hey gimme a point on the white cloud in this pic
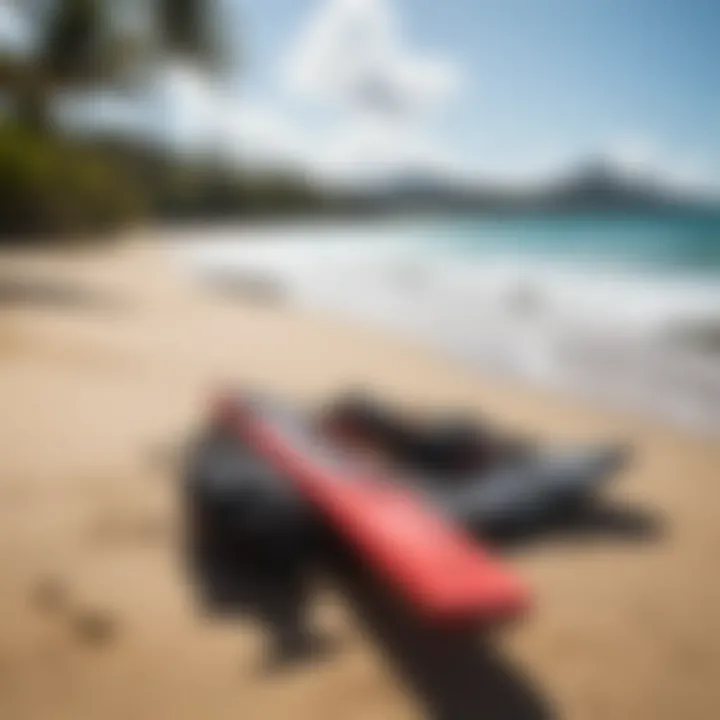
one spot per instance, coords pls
(184, 87)
(639, 157)
(15, 32)
(368, 150)
(260, 136)
(351, 53)
(632, 155)
(352, 60)
(349, 56)
(176, 106)
(193, 112)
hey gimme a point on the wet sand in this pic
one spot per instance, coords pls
(106, 361)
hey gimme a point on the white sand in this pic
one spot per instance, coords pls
(93, 391)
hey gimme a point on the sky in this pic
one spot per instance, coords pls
(540, 83)
(517, 90)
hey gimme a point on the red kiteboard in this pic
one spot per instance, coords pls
(439, 569)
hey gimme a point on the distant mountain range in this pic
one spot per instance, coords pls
(594, 185)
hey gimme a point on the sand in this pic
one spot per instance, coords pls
(107, 358)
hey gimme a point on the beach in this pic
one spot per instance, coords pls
(107, 360)
(620, 310)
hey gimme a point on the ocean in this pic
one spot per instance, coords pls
(621, 309)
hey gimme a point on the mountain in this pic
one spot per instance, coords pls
(599, 184)
(592, 185)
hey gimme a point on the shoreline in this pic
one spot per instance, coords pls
(613, 341)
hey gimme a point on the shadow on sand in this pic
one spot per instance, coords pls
(51, 293)
(594, 520)
(453, 674)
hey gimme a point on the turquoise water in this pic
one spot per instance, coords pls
(682, 245)
(625, 310)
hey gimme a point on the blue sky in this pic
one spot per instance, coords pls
(543, 81)
(512, 89)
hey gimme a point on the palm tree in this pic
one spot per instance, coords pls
(71, 48)
(51, 183)
(188, 29)
(78, 47)
(67, 54)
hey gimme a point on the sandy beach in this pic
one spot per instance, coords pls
(107, 358)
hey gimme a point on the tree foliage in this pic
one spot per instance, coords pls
(71, 47)
(188, 29)
(49, 185)
(52, 183)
